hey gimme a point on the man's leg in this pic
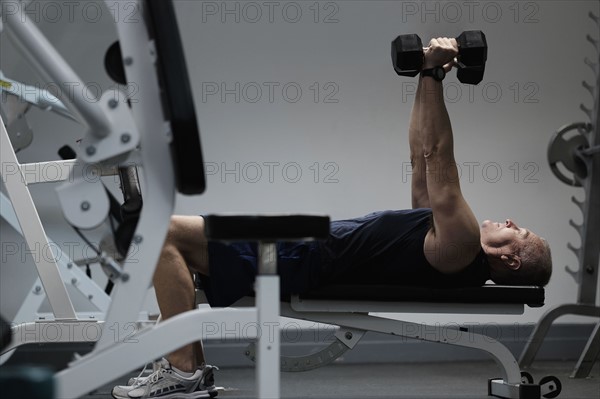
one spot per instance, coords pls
(184, 250)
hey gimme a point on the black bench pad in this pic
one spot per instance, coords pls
(266, 228)
(489, 293)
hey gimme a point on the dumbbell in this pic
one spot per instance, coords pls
(408, 55)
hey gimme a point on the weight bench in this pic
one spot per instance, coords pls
(348, 306)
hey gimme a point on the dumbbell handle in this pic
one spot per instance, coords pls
(453, 39)
(456, 64)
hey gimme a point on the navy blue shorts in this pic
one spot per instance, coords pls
(233, 268)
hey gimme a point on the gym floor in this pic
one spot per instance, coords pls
(402, 380)
(465, 379)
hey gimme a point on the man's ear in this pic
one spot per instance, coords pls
(511, 261)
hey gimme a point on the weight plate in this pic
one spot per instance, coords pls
(565, 151)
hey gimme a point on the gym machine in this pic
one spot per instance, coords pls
(55, 269)
(574, 157)
(161, 126)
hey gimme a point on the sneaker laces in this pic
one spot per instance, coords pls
(139, 377)
(153, 377)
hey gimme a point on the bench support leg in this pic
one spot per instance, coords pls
(541, 329)
(267, 305)
(510, 386)
(589, 355)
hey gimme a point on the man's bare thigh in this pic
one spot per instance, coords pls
(187, 234)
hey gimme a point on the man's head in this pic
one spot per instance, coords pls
(517, 256)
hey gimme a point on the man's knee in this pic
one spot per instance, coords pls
(174, 241)
(184, 229)
(186, 236)
(174, 227)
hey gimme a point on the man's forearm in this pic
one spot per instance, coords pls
(435, 126)
(420, 198)
(438, 148)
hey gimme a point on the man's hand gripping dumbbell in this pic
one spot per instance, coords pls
(469, 49)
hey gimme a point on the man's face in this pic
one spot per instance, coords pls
(503, 236)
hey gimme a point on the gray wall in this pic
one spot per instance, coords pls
(340, 147)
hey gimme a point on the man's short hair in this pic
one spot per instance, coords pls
(536, 265)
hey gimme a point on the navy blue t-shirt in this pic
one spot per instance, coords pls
(387, 248)
(380, 248)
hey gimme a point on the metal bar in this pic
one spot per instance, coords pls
(68, 270)
(57, 171)
(589, 355)
(35, 96)
(541, 329)
(46, 172)
(589, 261)
(267, 259)
(310, 305)
(445, 335)
(158, 185)
(33, 231)
(267, 304)
(40, 53)
(42, 332)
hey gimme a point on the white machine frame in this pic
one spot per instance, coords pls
(120, 348)
(54, 272)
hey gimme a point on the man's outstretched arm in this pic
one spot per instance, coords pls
(420, 197)
(454, 240)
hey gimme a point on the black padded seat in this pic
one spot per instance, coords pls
(266, 228)
(177, 99)
(487, 294)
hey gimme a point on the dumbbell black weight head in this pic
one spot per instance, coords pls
(472, 56)
(407, 55)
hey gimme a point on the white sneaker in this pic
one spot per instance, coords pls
(121, 391)
(167, 383)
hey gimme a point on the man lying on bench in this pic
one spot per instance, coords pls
(437, 243)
